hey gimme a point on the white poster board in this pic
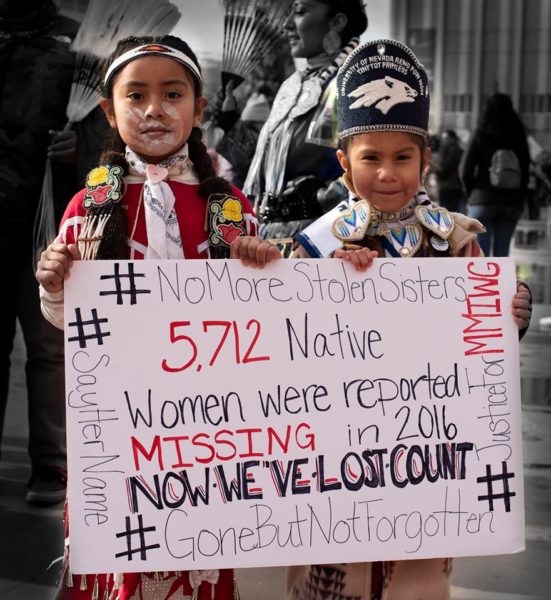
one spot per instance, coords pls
(223, 416)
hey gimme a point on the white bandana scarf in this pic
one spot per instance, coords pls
(163, 231)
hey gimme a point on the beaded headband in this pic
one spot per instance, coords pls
(153, 50)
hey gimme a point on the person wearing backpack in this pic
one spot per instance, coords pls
(494, 172)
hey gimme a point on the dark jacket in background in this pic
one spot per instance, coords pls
(36, 71)
(34, 90)
(475, 175)
(447, 164)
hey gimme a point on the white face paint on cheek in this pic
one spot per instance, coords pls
(172, 139)
(131, 127)
(151, 137)
(176, 122)
(171, 111)
(136, 115)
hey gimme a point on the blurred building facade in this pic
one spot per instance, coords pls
(473, 48)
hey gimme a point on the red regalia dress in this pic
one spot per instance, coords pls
(190, 208)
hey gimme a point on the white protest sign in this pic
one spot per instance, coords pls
(224, 416)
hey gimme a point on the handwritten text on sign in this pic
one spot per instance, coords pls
(226, 416)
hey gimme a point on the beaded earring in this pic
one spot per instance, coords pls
(331, 42)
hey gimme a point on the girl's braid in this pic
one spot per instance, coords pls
(209, 183)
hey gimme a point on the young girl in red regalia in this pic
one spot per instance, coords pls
(157, 199)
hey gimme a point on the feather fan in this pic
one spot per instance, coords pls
(104, 24)
(252, 28)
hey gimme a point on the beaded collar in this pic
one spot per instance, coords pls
(401, 232)
(406, 211)
(317, 63)
(382, 221)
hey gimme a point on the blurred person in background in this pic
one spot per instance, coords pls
(446, 167)
(542, 182)
(238, 144)
(36, 69)
(495, 172)
(295, 155)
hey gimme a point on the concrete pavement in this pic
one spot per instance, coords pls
(31, 538)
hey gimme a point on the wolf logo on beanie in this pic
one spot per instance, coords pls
(383, 94)
(382, 87)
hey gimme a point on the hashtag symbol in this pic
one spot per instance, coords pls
(140, 531)
(118, 277)
(504, 477)
(94, 322)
